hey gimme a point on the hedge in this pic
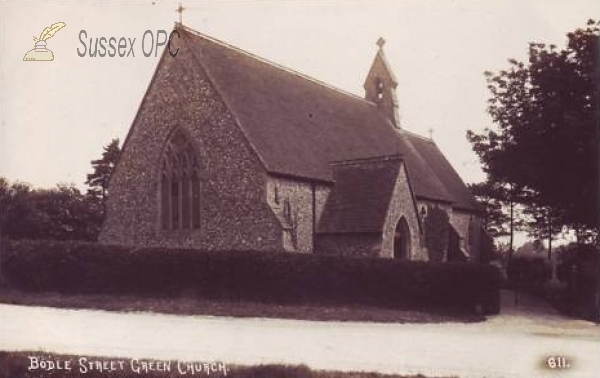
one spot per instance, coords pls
(274, 277)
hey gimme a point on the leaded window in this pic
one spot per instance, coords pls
(180, 185)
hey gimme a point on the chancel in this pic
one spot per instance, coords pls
(229, 151)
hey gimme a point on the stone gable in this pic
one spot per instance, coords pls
(231, 152)
(234, 214)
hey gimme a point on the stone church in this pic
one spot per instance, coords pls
(229, 151)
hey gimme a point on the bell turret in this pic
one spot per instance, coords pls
(380, 86)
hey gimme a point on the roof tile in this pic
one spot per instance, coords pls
(299, 125)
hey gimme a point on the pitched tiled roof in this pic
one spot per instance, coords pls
(443, 171)
(425, 182)
(298, 125)
(361, 197)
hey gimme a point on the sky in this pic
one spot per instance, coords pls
(56, 116)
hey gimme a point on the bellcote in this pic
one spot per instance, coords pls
(380, 86)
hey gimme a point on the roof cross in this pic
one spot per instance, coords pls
(430, 133)
(180, 10)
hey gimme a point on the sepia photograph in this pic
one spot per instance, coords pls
(299, 189)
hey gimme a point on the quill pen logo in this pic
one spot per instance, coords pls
(40, 52)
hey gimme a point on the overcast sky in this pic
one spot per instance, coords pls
(56, 116)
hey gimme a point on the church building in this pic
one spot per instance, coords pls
(229, 151)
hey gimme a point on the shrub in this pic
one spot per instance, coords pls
(578, 272)
(437, 228)
(61, 213)
(276, 277)
(529, 274)
(579, 269)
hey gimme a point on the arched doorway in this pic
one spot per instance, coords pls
(402, 240)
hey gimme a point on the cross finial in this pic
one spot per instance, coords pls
(430, 133)
(180, 10)
(380, 42)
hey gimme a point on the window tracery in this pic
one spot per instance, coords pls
(180, 185)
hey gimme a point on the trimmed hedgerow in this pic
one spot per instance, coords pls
(276, 277)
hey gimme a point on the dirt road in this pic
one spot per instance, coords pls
(508, 345)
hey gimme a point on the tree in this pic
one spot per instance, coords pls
(61, 213)
(546, 113)
(492, 198)
(16, 210)
(500, 214)
(103, 168)
(543, 224)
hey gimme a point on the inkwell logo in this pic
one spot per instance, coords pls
(40, 52)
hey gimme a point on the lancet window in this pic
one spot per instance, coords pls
(180, 185)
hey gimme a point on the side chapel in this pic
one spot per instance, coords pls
(229, 151)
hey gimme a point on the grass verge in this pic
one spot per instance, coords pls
(188, 305)
(17, 365)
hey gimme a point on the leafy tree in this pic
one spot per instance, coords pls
(61, 213)
(543, 224)
(546, 113)
(103, 168)
(16, 210)
(492, 198)
(67, 213)
(499, 204)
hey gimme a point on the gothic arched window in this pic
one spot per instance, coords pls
(179, 185)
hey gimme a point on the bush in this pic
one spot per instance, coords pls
(578, 273)
(275, 277)
(61, 213)
(437, 229)
(579, 269)
(528, 274)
